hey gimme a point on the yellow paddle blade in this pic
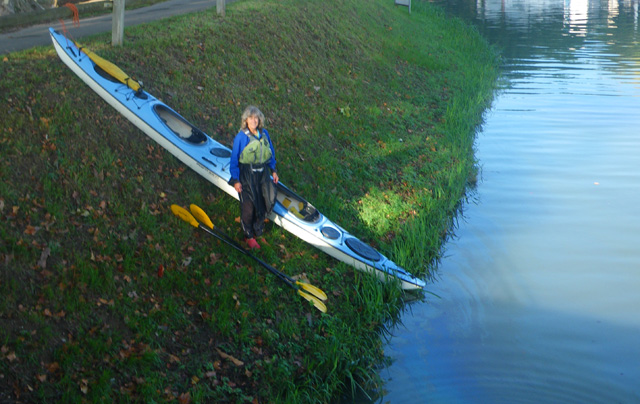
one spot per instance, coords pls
(111, 69)
(201, 216)
(316, 302)
(184, 214)
(317, 292)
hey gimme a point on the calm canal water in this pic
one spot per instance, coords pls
(540, 289)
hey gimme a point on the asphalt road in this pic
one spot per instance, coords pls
(38, 35)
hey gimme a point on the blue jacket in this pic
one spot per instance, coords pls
(239, 143)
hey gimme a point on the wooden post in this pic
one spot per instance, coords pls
(406, 3)
(117, 26)
(220, 4)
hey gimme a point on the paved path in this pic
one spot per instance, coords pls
(38, 35)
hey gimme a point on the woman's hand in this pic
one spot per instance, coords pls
(275, 178)
(238, 187)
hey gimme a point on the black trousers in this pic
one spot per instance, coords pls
(256, 200)
(252, 222)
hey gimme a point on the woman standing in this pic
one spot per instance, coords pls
(253, 163)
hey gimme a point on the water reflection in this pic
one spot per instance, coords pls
(576, 17)
(540, 287)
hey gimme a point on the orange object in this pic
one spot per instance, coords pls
(76, 16)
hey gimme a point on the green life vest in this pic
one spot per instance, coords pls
(258, 151)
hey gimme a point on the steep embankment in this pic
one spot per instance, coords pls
(107, 297)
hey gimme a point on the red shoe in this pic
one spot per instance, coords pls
(252, 243)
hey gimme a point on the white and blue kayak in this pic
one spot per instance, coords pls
(211, 160)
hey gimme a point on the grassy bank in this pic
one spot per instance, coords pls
(107, 297)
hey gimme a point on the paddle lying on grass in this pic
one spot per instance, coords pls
(315, 294)
(202, 217)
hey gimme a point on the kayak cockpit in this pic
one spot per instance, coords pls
(179, 126)
(296, 205)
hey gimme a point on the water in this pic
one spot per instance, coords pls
(540, 289)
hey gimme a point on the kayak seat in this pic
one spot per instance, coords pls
(295, 211)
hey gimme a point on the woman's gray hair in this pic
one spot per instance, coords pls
(252, 111)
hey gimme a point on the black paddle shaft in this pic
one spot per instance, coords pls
(238, 247)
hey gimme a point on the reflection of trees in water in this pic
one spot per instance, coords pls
(553, 28)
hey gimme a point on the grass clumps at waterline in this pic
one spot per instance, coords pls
(107, 297)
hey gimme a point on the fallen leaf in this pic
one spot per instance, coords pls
(106, 302)
(235, 361)
(214, 258)
(42, 262)
(53, 367)
(46, 274)
(184, 398)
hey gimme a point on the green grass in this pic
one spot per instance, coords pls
(373, 114)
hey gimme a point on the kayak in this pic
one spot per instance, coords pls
(211, 160)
